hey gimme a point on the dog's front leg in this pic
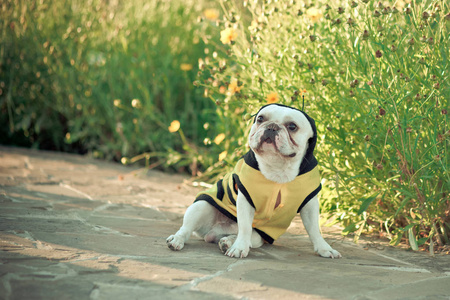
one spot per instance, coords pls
(310, 218)
(245, 214)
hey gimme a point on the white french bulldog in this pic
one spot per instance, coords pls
(269, 185)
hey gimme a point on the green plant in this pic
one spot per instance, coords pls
(105, 77)
(375, 78)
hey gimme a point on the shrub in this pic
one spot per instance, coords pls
(375, 76)
(106, 77)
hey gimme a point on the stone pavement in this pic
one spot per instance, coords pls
(77, 228)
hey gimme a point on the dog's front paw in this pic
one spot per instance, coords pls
(329, 253)
(239, 249)
(175, 242)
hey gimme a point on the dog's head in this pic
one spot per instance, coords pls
(283, 136)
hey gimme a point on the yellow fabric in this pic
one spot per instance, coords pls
(264, 193)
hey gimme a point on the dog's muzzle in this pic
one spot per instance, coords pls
(270, 133)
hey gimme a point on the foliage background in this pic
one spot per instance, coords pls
(375, 76)
(103, 77)
(115, 79)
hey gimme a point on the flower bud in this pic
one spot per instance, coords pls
(336, 22)
(351, 94)
(425, 15)
(382, 112)
(350, 22)
(411, 42)
(417, 96)
(324, 82)
(394, 10)
(379, 166)
(354, 83)
(313, 37)
(407, 79)
(386, 10)
(312, 81)
(370, 82)
(327, 17)
(433, 77)
(365, 35)
(444, 111)
(367, 137)
(393, 48)
(422, 60)
(300, 63)
(376, 14)
(327, 7)
(378, 54)
(365, 1)
(430, 41)
(354, 4)
(436, 86)
(341, 10)
(407, 10)
(423, 39)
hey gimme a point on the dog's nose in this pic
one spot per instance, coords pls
(273, 127)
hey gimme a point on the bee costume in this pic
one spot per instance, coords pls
(270, 221)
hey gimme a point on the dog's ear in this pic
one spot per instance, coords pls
(309, 160)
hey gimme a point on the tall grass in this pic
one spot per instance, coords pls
(105, 77)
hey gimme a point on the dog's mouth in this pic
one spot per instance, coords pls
(269, 138)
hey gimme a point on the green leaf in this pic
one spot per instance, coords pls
(412, 240)
(365, 203)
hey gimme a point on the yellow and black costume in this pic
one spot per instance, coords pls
(271, 219)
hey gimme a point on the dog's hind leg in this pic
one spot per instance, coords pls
(200, 216)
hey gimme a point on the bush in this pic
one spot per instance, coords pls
(375, 78)
(105, 77)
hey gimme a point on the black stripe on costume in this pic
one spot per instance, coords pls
(265, 236)
(220, 190)
(309, 197)
(210, 200)
(230, 195)
(243, 190)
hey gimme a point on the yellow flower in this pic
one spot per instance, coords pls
(314, 14)
(117, 102)
(272, 98)
(228, 35)
(174, 126)
(222, 89)
(223, 155)
(136, 103)
(186, 67)
(219, 138)
(253, 25)
(211, 14)
(233, 87)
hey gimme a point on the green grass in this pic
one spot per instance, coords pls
(70, 71)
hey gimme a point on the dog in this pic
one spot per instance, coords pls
(277, 178)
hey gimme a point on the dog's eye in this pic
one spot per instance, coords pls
(260, 119)
(292, 127)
